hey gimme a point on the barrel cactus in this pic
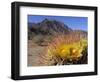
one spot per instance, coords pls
(66, 50)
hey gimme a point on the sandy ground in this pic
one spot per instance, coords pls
(35, 54)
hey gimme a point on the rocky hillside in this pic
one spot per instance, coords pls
(47, 29)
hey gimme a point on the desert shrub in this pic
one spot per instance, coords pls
(38, 39)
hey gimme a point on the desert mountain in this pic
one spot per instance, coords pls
(50, 28)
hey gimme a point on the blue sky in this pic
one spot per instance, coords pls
(78, 23)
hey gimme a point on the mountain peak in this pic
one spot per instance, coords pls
(50, 26)
(46, 20)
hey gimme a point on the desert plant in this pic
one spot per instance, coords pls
(66, 49)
